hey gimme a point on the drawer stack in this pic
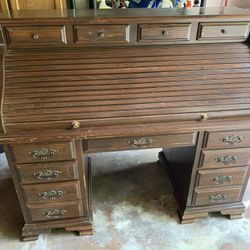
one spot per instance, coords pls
(48, 177)
(223, 168)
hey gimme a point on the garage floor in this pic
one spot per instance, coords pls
(134, 209)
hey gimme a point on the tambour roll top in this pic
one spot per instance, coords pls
(72, 88)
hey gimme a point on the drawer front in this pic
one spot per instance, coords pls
(164, 32)
(63, 191)
(230, 139)
(55, 211)
(28, 153)
(212, 196)
(221, 177)
(225, 158)
(94, 34)
(223, 31)
(141, 142)
(36, 35)
(49, 172)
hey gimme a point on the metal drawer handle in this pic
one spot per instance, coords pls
(47, 174)
(43, 153)
(217, 197)
(75, 125)
(232, 139)
(164, 33)
(227, 160)
(54, 213)
(223, 31)
(141, 142)
(51, 194)
(35, 36)
(204, 116)
(222, 179)
(101, 34)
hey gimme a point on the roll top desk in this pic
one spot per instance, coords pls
(75, 83)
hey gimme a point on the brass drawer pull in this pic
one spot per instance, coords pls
(47, 174)
(75, 124)
(227, 160)
(51, 194)
(54, 213)
(222, 179)
(43, 153)
(101, 34)
(141, 142)
(204, 116)
(232, 139)
(217, 197)
(35, 36)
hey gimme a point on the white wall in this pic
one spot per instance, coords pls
(238, 3)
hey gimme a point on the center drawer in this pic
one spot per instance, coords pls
(142, 142)
(63, 191)
(225, 158)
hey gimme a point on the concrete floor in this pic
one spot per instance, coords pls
(134, 209)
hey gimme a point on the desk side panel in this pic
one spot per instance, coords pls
(2, 52)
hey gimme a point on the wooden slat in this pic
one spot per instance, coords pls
(106, 84)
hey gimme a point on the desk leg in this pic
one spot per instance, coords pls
(73, 173)
(182, 165)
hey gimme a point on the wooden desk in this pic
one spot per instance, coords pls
(75, 83)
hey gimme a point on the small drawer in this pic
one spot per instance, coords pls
(143, 142)
(223, 31)
(215, 196)
(36, 35)
(94, 34)
(225, 158)
(63, 191)
(164, 32)
(28, 153)
(229, 139)
(49, 172)
(55, 211)
(221, 177)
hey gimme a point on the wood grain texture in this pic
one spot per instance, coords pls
(123, 91)
(2, 86)
(4, 5)
(37, 4)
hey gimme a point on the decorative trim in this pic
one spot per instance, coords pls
(142, 142)
(43, 153)
(51, 194)
(232, 139)
(227, 160)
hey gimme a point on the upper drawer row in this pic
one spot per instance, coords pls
(124, 34)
